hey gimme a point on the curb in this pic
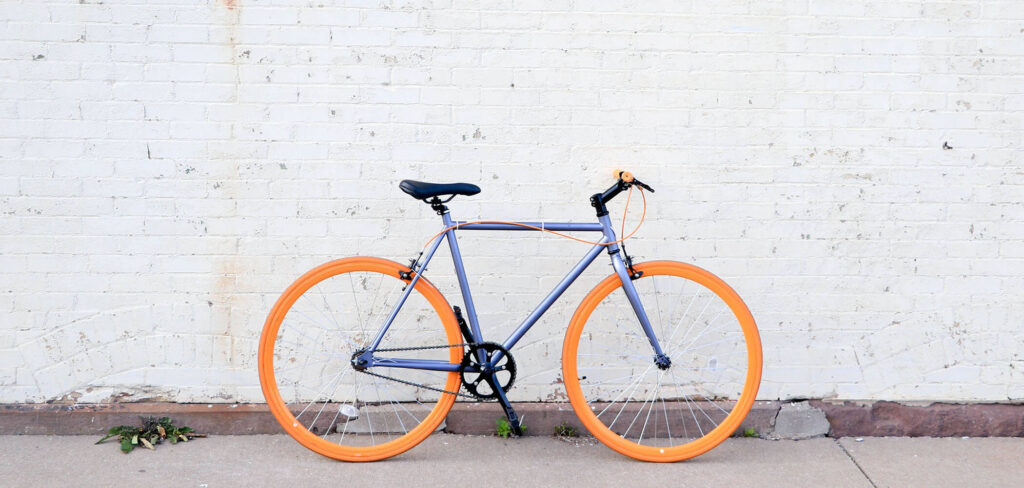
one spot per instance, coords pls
(880, 419)
(207, 418)
(845, 418)
(542, 418)
(243, 419)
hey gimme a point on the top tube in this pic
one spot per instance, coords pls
(555, 226)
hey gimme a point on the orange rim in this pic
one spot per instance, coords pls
(266, 362)
(713, 437)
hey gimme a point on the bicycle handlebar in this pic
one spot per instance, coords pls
(627, 178)
(624, 181)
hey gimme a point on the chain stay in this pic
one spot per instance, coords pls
(418, 385)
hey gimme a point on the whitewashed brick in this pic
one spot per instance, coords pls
(850, 168)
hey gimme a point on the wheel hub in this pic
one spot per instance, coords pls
(358, 361)
(663, 362)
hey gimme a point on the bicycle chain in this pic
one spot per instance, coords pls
(410, 383)
(417, 348)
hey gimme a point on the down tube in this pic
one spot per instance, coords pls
(550, 299)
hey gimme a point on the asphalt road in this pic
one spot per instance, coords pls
(450, 460)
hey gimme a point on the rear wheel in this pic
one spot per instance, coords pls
(308, 343)
(649, 410)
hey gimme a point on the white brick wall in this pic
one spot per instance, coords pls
(852, 168)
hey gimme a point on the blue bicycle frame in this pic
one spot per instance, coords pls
(603, 225)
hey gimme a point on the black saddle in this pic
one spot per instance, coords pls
(422, 191)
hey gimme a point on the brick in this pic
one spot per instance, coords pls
(830, 160)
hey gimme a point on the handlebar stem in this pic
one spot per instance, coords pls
(598, 200)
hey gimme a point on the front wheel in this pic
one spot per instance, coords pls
(651, 410)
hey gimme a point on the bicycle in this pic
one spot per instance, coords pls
(359, 376)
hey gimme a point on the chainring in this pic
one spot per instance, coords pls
(504, 372)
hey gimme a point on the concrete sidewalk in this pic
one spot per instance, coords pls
(448, 460)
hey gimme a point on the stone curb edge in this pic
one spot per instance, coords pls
(843, 419)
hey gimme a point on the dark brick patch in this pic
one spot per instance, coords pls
(934, 420)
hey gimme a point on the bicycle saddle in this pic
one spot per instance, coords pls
(421, 191)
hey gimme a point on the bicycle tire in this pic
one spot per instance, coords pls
(437, 405)
(587, 393)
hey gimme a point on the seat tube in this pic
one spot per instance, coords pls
(460, 272)
(627, 286)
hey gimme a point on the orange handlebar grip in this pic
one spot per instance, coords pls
(623, 175)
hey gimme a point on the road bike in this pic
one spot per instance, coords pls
(362, 358)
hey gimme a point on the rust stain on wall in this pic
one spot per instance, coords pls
(225, 295)
(228, 267)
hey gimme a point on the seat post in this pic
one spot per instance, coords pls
(438, 206)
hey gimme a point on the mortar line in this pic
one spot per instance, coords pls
(855, 463)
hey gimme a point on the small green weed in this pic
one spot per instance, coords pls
(505, 429)
(152, 432)
(750, 432)
(565, 430)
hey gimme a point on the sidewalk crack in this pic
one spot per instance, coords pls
(855, 463)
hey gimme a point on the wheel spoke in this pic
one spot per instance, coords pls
(359, 315)
(653, 400)
(636, 384)
(319, 393)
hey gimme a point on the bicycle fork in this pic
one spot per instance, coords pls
(627, 275)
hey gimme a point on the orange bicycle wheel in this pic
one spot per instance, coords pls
(652, 412)
(306, 351)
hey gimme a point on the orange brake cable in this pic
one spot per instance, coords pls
(625, 212)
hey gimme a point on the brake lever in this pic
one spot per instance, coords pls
(643, 185)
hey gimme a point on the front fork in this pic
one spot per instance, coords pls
(627, 274)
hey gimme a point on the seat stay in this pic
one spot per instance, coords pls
(405, 296)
